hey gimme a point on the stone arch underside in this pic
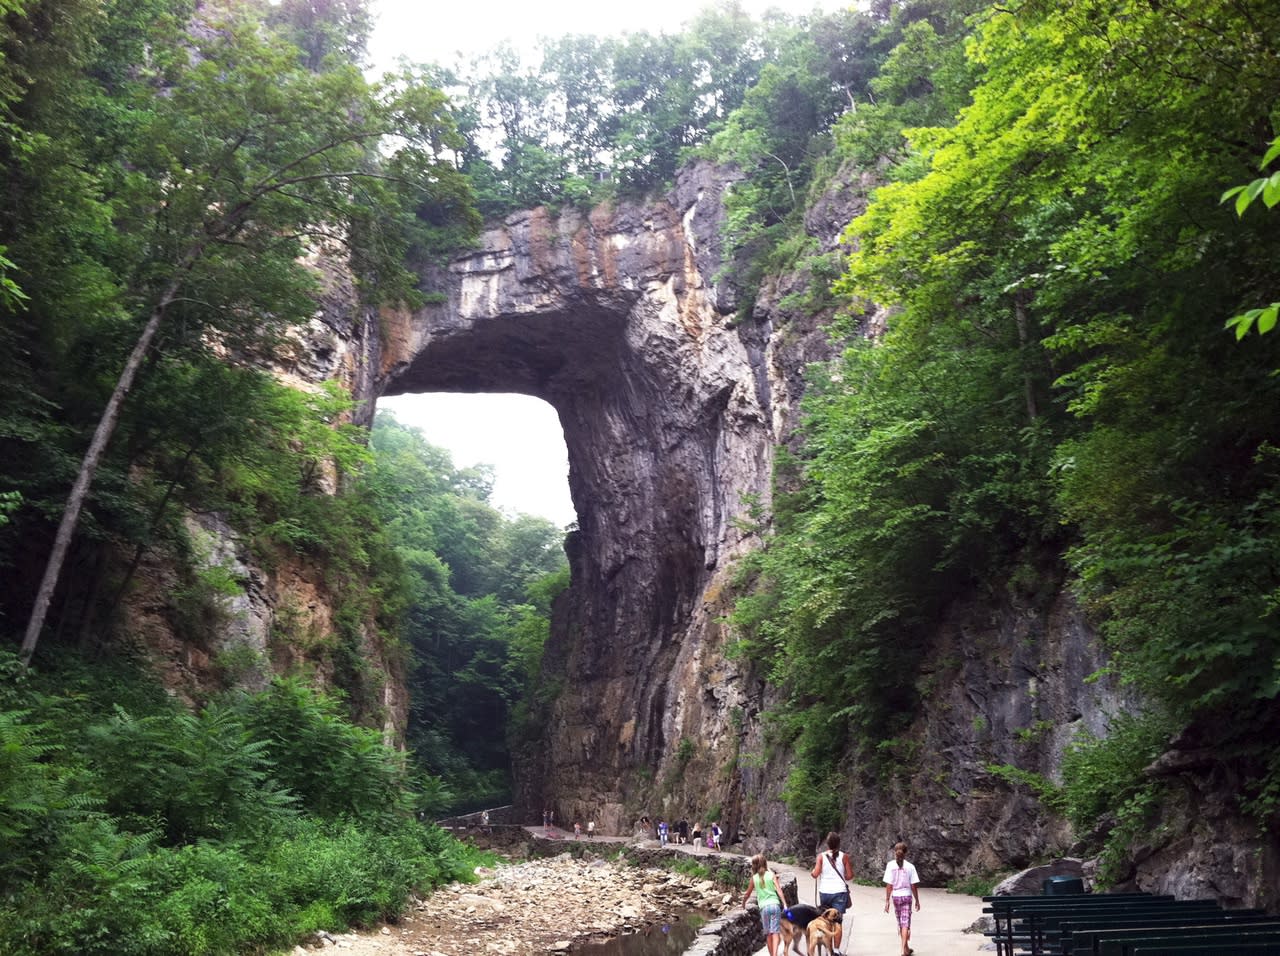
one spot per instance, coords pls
(614, 320)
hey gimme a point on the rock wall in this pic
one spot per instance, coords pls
(672, 405)
(282, 621)
(616, 319)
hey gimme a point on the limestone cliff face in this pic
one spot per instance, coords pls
(672, 406)
(282, 618)
(616, 320)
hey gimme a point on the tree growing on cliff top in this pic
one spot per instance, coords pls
(237, 162)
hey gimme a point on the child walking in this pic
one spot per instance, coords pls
(764, 884)
(901, 884)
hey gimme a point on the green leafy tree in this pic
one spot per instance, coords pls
(1266, 188)
(245, 161)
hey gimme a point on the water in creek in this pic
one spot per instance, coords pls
(662, 939)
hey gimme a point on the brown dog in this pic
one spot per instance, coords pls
(822, 932)
(795, 921)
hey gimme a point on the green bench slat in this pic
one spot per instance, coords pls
(1038, 929)
(1194, 949)
(1067, 942)
(1119, 942)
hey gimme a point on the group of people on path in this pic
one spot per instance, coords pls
(549, 826)
(680, 832)
(833, 872)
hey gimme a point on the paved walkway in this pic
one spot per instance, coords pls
(937, 930)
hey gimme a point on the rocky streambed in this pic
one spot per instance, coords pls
(536, 907)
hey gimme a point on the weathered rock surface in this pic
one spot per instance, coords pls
(1030, 882)
(616, 320)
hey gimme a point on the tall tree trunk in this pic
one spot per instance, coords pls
(1024, 340)
(92, 458)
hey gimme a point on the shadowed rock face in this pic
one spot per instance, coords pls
(615, 320)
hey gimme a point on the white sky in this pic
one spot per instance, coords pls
(435, 31)
(518, 435)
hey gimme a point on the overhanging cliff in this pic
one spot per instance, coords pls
(670, 415)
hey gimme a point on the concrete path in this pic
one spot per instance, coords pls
(937, 930)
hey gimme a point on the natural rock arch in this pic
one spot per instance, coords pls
(615, 319)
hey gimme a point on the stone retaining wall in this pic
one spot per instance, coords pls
(738, 932)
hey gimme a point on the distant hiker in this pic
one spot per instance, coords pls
(901, 884)
(591, 829)
(697, 833)
(682, 832)
(662, 832)
(577, 830)
(715, 835)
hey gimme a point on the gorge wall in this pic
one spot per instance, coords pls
(672, 406)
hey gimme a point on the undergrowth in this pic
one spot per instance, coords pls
(132, 827)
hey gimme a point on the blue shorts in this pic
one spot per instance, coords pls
(837, 901)
(771, 918)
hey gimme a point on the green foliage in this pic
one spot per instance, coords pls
(1104, 785)
(1044, 255)
(479, 588)
(1266, 188)
(187, 166)
(168, 832)
(977, 884)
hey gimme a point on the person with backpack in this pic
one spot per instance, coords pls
(833, 871)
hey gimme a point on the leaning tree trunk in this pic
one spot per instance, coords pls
(89, 466)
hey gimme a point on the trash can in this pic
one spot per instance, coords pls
(1063, 885)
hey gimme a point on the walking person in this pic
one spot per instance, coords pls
(833, 871)
(764, 884)
(901, 886)
(591, 829)
(716, 833)
(662, 832)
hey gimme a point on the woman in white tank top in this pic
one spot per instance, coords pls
(833, 871)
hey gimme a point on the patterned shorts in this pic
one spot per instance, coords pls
(771, 918)
(902, 906)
